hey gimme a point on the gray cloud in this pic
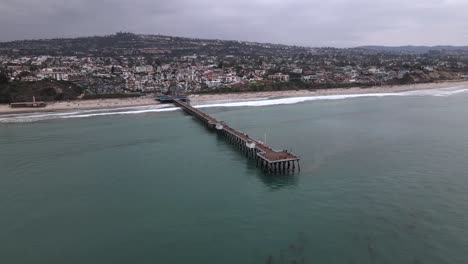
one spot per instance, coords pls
(341, 23)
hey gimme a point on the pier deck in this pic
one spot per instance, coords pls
(270, 160)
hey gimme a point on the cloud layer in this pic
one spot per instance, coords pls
(340, 23)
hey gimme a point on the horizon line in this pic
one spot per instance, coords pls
(234, 40)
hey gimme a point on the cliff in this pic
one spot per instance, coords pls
(46, 90)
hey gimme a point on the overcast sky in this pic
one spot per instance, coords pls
(339, 23)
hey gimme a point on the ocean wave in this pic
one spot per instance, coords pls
(168, 109)
(438, 92)
(294, 100)
(25, 118)
(33, 117)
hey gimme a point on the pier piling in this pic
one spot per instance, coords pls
(269, 160)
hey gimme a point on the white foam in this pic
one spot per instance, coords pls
(294, 100)
(126, 112)
(25, 118)
(21, 118)
(438, 92)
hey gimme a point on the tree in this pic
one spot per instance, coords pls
(4, 89)
(23, 74)
(33, 68)
(260, 62)
(3, 78)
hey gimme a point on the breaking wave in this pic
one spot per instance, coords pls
(25, 118)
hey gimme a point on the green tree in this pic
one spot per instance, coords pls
(23, 74)
(4, 89)
(3, 78)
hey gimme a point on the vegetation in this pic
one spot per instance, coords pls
(110, 96)
(110, 66)
(45, 90)
(279, 86)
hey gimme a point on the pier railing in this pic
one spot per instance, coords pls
(270, 160)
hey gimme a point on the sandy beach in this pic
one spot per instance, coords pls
(319, 92)
(82, 105)
(227, 97)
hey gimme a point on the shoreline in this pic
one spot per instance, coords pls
(99, 104)
(95, 104)
(226, 97)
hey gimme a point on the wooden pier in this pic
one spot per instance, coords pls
(269, 160)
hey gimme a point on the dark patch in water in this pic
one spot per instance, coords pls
(293, 253)
(371, 250)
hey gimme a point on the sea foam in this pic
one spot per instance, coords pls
(25, 118)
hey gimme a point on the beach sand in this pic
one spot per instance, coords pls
(82, 105)
(225, 97)
(319, 92)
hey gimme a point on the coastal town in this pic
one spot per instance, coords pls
(129, 64)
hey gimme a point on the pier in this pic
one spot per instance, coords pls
(269, 160)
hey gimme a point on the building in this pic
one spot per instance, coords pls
(144, 69)
(279, 77)
(213, 83)
(297, 71)
(309, 78)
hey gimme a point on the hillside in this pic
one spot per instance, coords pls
(415, 49)
(130, 44)
(133, 44)
(126, 63)
(45, 90)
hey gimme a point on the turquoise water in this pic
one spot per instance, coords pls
(383, 180)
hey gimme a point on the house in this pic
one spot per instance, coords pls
(309, 78)
(279, 77)
(144, 69)
(59, 76)
(297, 71)
(213, 83)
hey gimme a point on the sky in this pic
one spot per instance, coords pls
(336, 23)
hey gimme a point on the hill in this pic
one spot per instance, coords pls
(414, 49)
(45, 90)
(132, 44)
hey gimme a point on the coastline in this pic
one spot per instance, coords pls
(203, 98)
(94, 104)
(224, 97)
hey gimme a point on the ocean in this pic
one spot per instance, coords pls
(384, 179)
